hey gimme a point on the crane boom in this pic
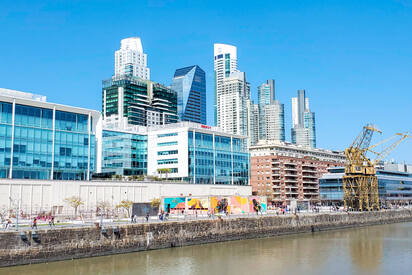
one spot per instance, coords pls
(360, 184)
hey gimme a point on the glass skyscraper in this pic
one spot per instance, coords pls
(190, 85)
(132, 100)
(303, 131)
(41, 140)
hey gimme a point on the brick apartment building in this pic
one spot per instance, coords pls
(284, 172)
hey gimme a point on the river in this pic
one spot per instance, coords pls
(383, 249)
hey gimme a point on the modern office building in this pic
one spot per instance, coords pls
(303, 130)
(43, 140)
(124, 152)
(129, 100)
(235, 92)
(285, 172)
(198, 154)
(394, 187)
(190, 85)
(130, 59)
(225, 63)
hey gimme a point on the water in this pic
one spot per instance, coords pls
(385, 249)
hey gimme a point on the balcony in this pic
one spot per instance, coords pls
(310, 188)
(308, 171)
(309, 177)
(309, 165)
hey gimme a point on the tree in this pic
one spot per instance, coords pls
(164, 171)
(4, 211)
(75, 202)
(126, 205)
(155, 203)
(104, 207)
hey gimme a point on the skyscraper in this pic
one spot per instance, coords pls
(225, 62)
(131, 100)
(253, 122)
(271, 113)
(190, 85)
(274, 121)
(232, 115)
(303, 120)
(130, 59)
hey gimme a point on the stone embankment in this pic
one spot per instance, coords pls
(71, 243)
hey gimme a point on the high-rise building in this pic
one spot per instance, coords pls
(131, 100)
(130, 59)
(266, 93)
(274, 121)
(253, 122)
(303, 131)
(233, 117)
(225, 62)
(309, 123)
(190, 85)
(271, 113)
(43, 140)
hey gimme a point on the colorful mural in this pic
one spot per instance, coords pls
(174, 205)
(198, 205)
(218, 205)
(257, 204)
(238, 205)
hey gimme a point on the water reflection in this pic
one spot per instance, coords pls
(369, 250)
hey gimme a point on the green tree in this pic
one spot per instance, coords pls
(126, 205)
(164, 171)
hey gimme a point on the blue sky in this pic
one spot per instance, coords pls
(354, 58)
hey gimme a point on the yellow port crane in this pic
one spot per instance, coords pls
(360, 184)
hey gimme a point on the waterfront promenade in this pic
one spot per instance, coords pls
(45, 244)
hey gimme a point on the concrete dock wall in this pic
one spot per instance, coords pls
(71, 243)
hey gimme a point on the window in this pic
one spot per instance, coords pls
(169, 152)
(170, 143)
(166, 135)
(167, 161)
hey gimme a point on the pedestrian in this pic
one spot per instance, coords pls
(34, 223)
(51, 221)
(147, 217)
(8, 224)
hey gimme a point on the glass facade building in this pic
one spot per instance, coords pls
(136, 101)
(190, 85)
(393, 186)
(40, 140)
(217, 159)
(197, 154)
(124, 153)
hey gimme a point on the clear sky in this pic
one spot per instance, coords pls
(354, 58)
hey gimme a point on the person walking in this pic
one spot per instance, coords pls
(147, 217)
(8, 224)
(51, 221)
(34, 223)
